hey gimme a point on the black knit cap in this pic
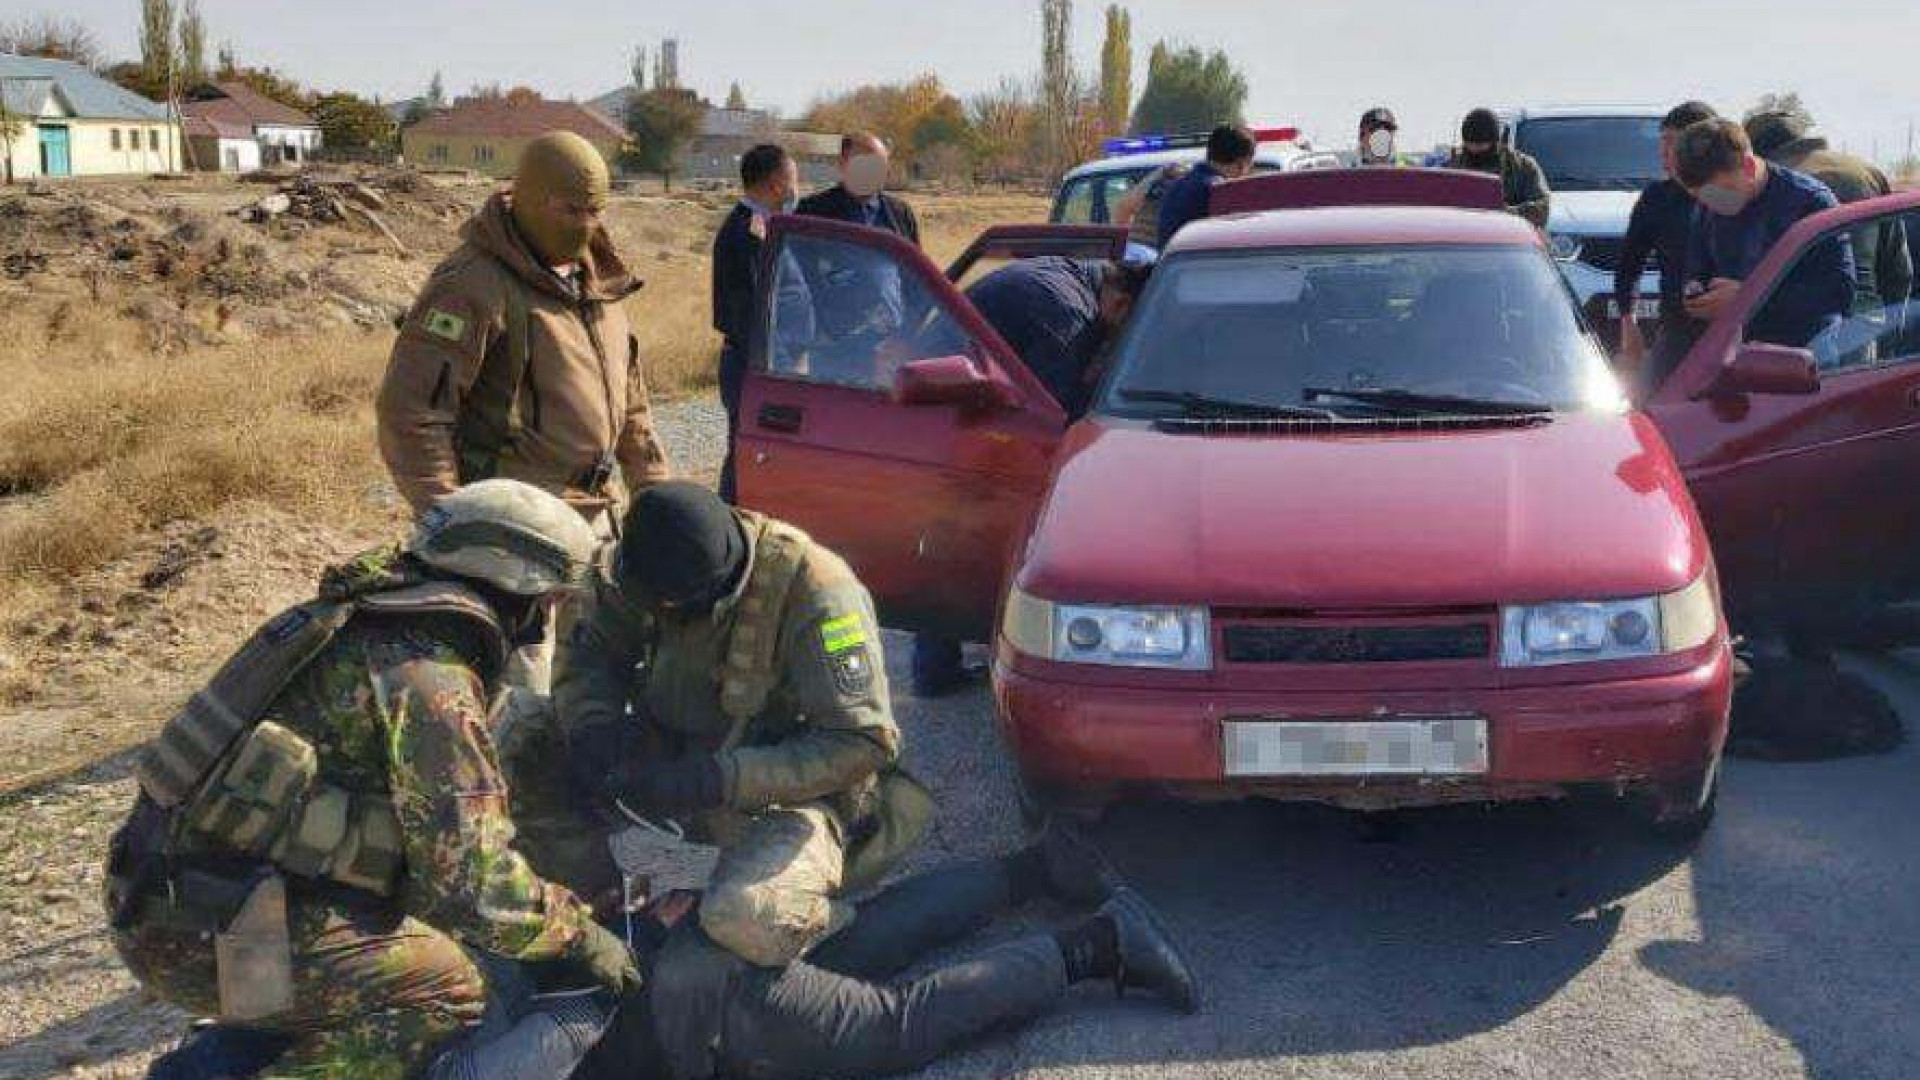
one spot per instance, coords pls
(1480, 126)
(682, 545)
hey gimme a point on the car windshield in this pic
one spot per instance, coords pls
(1089, 200)
(1357, 332)
(1594, 153)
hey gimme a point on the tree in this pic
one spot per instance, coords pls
(522, 95)
(228, 66)
(736, 98)
(349, 122)
(1188, 90)
(193, 45)
(157, 57)
(1116, 69)
(1059, 82)
(269, 83)
(1788, 102)
(894, 111)
(639, 68)
(661, 122)
(436, 92)
(53, 37)
(11, 128)
(1005, 123)
(666, 66)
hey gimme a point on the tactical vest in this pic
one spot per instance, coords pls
(492, 417)
(221, 772)
(748, 671)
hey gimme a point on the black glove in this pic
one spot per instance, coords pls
(680, 785)
(590, 751)
(604, 958)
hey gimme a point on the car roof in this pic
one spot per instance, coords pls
(1575, 112)
(1267, 154)
(1338, 226)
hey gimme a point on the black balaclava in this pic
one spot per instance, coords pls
(1481, 126)
(682, 547)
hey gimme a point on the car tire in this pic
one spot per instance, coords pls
(1678, 813)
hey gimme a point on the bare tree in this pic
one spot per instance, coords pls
(1116, 69)
(193, 45)
(52, 36)
(11, 128)
(639, 69)
(1059, 83)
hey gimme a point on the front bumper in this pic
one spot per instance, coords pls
(1092, 744)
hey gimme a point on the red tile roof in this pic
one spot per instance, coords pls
(244, 106)
(499, 118)
(212, 127)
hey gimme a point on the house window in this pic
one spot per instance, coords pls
(483, 154)
(437, 152)
(113, 137)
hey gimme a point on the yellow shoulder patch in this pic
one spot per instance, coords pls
(445, 325)
(841, 634)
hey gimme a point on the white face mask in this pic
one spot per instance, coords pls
(1379, 145)
(865, 175)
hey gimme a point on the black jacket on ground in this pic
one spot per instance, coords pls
(838, 204)
(736, 261)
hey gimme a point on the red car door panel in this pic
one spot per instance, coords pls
(1808, 499)
(923, 500)
(1031, 241)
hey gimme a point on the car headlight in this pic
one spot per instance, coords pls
(1117, 636)
(1565, 246)
(1539, 635)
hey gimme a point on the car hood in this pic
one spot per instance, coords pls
(1591, 213)
(1587, 506)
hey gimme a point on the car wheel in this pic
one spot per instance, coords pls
(1679, 812)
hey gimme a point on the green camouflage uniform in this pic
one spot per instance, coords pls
(380, 983)
(812, 801)
(1522, 182)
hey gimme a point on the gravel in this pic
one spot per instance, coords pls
(1527, 941)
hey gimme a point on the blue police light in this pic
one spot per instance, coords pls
(1150, 144)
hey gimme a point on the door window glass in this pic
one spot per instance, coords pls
(1870, 319)
(851, 315)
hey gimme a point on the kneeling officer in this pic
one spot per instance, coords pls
(751, 658)
(322, 833)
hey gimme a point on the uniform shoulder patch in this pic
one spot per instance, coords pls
(842, 633)
(444, 325)
(843, 639)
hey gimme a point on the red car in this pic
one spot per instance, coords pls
(1359, 514)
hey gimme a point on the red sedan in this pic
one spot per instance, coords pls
(1359, 514)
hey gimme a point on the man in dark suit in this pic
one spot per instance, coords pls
(860, 196)
(770, 184)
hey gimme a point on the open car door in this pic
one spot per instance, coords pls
(1357, 187)
(884, 416)
(1797, 422)
(1007, 242)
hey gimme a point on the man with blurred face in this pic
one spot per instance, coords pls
(1522, 184)
(1661, 225)
(1747, 205)
(1378, 129)
(861, 197)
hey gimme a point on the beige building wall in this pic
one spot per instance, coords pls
(114, 147)
(491, 156)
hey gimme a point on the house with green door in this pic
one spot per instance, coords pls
(57, 119)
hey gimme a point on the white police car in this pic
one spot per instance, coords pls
(1089, 192)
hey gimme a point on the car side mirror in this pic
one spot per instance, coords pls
(948, 380)
(1762, 368)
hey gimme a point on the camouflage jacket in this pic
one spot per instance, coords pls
(826, 727)
(399, 708)
(1522, 182)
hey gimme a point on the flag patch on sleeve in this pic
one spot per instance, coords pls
(842, 634)
(445, 325)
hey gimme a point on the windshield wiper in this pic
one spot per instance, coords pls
(1202, 406)
(1413, 401)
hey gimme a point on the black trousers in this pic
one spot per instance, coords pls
(844, 1011)
(733, 372)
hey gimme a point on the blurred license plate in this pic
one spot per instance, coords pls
(1413, 746)
(1646, 307)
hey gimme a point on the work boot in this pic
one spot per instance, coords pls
(1148, 958)
(1076, 871)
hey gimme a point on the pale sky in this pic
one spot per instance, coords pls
(1318, 65)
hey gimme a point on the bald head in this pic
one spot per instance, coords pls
(559, 190)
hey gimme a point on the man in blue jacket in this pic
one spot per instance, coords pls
(1229, 157)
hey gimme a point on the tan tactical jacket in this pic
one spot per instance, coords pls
(581, 403)
(825, 728)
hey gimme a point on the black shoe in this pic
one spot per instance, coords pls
(1148, 958)
(1077, 872)
(949, 682)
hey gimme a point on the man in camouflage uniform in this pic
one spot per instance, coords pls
(760, 716)
(1882, 257)
(1523, 184)
(393, 708)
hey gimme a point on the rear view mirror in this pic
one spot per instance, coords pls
(1761, 368)
(948, 380)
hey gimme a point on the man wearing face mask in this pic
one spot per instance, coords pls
(1661, 225)
(1748, 204)
(860, 196)
(1378, 129)
(770, 184)
(1521, 181)
(760, 715)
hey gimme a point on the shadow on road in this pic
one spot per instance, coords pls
(1313, 939)
(1808, 898)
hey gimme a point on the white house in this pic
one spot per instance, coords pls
(67, 121)
(223, 116)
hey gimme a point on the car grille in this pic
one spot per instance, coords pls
(1356, 644)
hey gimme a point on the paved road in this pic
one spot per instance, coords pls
(1527, 941)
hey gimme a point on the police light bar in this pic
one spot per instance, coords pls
(1148, 144)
